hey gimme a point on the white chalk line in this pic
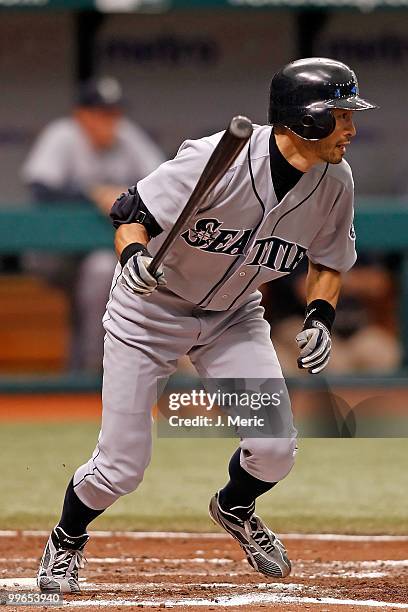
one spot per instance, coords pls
(90, 586)
(237, 600)
(187, 535)
(204, 574)
(220, 601)
(185, 573)
(344, 570)
(308, 569)
(336, 565)
(29, 583)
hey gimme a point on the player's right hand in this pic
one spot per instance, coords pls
(136, 278)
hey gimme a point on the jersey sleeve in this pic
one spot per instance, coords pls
(47, 163)
(334, 245)
(166, 191)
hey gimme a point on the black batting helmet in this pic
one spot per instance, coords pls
(303, 94)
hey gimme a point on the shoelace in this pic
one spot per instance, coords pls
(255, 529)
(68, 560)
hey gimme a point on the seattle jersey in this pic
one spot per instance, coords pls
(242, 237)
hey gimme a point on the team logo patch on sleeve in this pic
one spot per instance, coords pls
(352, 232)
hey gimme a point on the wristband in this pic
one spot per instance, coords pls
(132, 249)
(319, 310)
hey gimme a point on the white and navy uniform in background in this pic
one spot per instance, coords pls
(260, 221)
(64, 166)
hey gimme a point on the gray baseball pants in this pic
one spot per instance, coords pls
(145, 336)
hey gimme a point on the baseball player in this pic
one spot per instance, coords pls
(288, 195)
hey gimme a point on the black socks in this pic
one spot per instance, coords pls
(242, 489)
(76, 516)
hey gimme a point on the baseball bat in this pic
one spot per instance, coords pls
(232, 142)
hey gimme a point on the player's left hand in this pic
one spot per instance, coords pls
(315, 346)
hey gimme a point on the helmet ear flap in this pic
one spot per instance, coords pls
(315, 123)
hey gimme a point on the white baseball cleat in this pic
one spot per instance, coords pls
(262, 548)
(63, 557)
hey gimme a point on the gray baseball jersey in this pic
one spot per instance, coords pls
(64, 159)
(241, 236)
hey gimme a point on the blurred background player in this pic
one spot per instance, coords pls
(87, 158)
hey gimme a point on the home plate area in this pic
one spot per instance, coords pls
(207, 572)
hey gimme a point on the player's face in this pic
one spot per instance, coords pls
(100, 125)
(332, 148)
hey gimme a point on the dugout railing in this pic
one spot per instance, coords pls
(381, 227)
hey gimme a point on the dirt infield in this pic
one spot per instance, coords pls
(207, 572)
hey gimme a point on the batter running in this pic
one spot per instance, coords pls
(288, 195)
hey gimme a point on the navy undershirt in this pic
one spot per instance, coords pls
(284, 175)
